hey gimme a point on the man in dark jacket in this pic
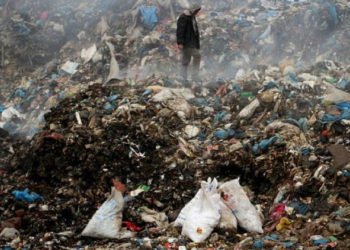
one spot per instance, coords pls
(188, 41)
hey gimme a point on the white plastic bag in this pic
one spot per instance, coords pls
(249, 110)
(170, 94)
(88, 54)
(201, 215)
(107, 221)
(10, 112)
(239, 203)
(228, 220)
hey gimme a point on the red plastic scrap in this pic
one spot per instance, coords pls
(278, 212)
(280, 209)
(170, 246)
(132, 227)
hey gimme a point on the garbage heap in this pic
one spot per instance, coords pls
(43, 42)
(286, 135)
(79, 80)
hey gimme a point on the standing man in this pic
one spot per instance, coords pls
(188, 41)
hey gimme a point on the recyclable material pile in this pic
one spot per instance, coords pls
(107, 149)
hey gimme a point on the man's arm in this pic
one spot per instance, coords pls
(181, 30)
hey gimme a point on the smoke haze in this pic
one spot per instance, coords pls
(39, 36)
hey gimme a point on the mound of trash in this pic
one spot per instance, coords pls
(284, 135)
(101, 146)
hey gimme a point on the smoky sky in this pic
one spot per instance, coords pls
(234, 34)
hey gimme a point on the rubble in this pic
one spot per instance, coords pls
(85, 112)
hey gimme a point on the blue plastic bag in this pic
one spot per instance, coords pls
(224, 134)
(346, 173)
(294, 81)
(20, 93)
(112, 98)
(264, 144)
(301, 208)
(1, 109)
(288, 245)
(237, 88)
(54, 77)
(343, 83)
(344, 107)
(258, 244)
(273, 237)
(109, 106)
(333, 13)
(25, 195)
(220, 116)
(149, 15)
(305, 151)
(321, 242)
(301, 123)
(147, 92)
(270, 85)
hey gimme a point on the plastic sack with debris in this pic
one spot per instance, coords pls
(201, 215)
(152, 216)
(107, 221)
(237, 200)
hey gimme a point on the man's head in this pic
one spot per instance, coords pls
(195, 8)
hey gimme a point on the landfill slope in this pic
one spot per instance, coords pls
(93, 101)
(142, 140)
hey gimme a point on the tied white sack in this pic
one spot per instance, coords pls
(202, 214)
(237, 200)
(228, 221)
(107, 221)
